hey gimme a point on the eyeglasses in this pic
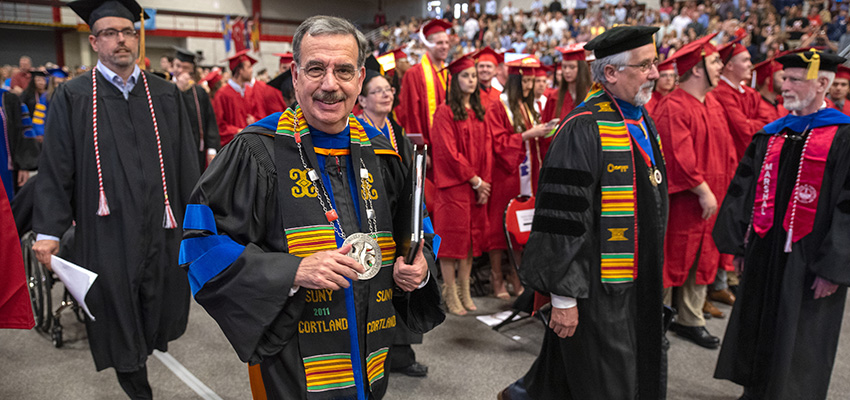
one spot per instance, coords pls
(380, 92)
(644, 66)
(343, 73)
(110, 33)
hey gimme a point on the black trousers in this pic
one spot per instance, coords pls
(401, 356)
(135, 384)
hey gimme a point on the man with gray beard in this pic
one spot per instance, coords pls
(785, 219)
(700, 155)
(588, 249)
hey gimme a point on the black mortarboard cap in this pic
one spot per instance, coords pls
(93, 10)
(372, 64)
(619, 39)
(185, 55)
(812, 60)
(37, 72)
(278, 81)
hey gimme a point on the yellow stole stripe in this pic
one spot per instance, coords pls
(428, 72)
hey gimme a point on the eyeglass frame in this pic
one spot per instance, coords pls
(325, 68)
(391, 90)
(642, 67)
(107, 33)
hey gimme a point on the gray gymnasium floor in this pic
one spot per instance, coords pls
(467, 360)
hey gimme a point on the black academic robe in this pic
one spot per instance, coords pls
(202, 121)
(141, 298)
(259, 319)
(24, 151)
(780, 342)
(615, 352)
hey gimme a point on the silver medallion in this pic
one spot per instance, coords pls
(657, 176)
(366, 251)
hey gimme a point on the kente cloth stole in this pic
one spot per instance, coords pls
(800, 214)
(328, 324)
(428, 71)
(618, 222)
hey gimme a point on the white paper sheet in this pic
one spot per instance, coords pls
(524, 219)
(497, 318)
(77, 280)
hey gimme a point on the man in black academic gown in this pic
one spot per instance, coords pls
(786, 217)
(122, 170)
(198, 105)
(272, 221)
(603, 179)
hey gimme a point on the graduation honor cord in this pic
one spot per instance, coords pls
(168, 220)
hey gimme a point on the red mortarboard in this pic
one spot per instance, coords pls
(212, 77)
(434, 26)
(543, 70)
(523, 66)
(489, 55)
(237, 59)
(460, 64)
(399, 54)
(842, 72)
(574, 51)
(285, 58)
(667, 65)
(731, 49)
(692, 53)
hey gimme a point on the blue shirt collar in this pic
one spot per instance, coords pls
(116, 80)
(629, 110)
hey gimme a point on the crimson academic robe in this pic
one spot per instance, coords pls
(510, 152)
(232, 111)
(652, 104)
(488, 96)
(550, 111)
(415, 117)
(845, 107)
(15, 307)
(771, 110)
(743, 115)
(266, 99)
(462, 151)
(780, 342)
(141, 298)
(697, 148)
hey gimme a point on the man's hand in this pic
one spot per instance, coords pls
(251, 119)
(23, 177)
(706, 200)
(44, 249)
(210, 158)
(409, 276)
(564, 321)
(823, 287)
(328, 270)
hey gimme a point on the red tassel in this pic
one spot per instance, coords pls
(102, 206)
(168, 220)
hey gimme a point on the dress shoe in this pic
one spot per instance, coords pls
(697, 334)
(708, 307)
(724, 296)
(503, 395)
(416, 369)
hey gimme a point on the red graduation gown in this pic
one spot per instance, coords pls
(15, 307)
(845, 107)
(462, 150)
(552, 102)
(266, 100)
(652, 104)
(509, 149)
(697, 148)
(742, 114)
(232, 110)
(488, 96)
(413, 99)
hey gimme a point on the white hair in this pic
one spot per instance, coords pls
(828, 75)
(597, 67)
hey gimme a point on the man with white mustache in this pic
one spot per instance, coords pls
(785, 219)
(700, 157)
(588, 250)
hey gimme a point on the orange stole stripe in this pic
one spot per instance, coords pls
(255, 377)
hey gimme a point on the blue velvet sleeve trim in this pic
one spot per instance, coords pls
(429, 228)
(199, 217)
(208, 256)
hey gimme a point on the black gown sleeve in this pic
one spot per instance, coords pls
(24, 151)
(54, 196)
(563, 246)
(249, 297)
(736, 212)
(212, 140)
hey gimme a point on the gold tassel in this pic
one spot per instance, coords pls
(814, 64)
(141, 60)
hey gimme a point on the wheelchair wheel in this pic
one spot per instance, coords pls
(38, 284)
